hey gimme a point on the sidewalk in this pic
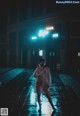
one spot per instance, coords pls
(11, 74)
(4, 70)
(72, 82)
(72, 93)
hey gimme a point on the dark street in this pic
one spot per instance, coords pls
(42, 35)
(19, 96)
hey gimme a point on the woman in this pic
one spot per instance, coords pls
(43, 80)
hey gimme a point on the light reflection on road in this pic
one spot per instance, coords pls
(46, 108)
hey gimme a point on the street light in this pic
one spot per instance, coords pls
(43, 33)
(49, 28)
(34, 37)
(55, 35)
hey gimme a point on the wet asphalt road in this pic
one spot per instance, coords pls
(17, 93)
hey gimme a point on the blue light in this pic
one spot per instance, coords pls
(34, 37)
(55, 35)
(43, 33)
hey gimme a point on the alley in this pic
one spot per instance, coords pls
(19, 96)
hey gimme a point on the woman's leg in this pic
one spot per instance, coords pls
(38, 92)
(48, 96)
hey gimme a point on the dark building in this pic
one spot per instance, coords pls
(25, 18)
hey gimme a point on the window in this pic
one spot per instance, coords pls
(79, 54)
(40, 52)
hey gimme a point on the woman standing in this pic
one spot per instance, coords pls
(43, 80)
